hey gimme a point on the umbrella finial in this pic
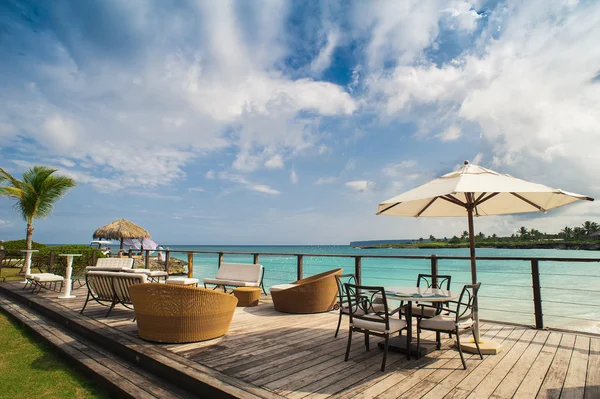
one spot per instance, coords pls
(466, 162)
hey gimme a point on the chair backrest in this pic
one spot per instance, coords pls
(360, 304)
(105, 285)
(251, 273)
(426, 280)
(342, 279)
(113, 263)
(466, 302)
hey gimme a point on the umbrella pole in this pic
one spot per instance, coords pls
(473, 269)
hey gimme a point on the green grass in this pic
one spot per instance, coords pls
(30, 368)
(10, 273)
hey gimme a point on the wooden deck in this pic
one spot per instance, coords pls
(270, 354)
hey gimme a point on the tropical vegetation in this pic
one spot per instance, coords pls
(35, 194)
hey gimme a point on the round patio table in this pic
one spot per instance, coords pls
(410, 295)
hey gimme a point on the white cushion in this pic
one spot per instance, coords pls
(32, 275)
(48, 278)
(445, 323)
(147, 272)
(281, 287)
(182, 281)
(230, 282)
(251, 273)
(113, 263)
(378, 324)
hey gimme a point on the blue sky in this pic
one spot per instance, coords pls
(279, 122)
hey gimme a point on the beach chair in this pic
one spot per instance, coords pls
(111, 288)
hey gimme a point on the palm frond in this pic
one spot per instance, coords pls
(5, 176)
(14, 192)
(52, 189)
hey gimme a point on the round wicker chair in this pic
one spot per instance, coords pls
(177, 314)
(314, 294)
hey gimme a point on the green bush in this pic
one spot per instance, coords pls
(42, 259)
(12, 251)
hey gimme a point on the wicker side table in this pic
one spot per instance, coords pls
(247, 296)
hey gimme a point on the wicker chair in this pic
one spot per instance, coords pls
(314, 294)
(178, 314)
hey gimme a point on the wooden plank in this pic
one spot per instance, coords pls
(490, 382)
(574, 386)
(592, 386)
(553, 383)
(534, 378)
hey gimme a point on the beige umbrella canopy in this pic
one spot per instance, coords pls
(121, 229)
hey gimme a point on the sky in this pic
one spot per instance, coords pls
(281, 122)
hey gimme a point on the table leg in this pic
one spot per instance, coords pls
(409, 321)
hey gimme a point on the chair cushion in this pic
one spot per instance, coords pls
(281, 287)
(48, 278)
(32, 275)
(147, 272)
(251, 273)
(182, 281)
(444, 323)
(416, 311)
(230, 282)
(114, 263)
(378, 325)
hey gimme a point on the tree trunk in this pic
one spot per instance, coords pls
(28, 243)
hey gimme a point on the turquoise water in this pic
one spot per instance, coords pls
(570, 294)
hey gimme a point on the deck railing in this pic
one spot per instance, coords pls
(525, 283)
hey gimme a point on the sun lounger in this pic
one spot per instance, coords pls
(110, 288)
(48, 281)
(238, 275)
(154, 276)
(111, 264)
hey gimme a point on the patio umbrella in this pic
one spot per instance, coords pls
(120, 230)
(476, 191)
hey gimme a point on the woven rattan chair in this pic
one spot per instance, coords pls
(178, 314)
(314, 294)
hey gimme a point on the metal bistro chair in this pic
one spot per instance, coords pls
(343, 298)
(447, 323)
(427, 281)
(366, 320)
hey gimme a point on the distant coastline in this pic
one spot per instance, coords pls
(570, 245)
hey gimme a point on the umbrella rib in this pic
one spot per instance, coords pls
(481, 201)
(426, 206)
(529, 202)
(454, 200)
(478, 198)
(388, 208)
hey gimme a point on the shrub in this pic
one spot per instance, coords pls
(42, 259)
(12, 250)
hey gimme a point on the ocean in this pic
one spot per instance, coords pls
(570, 294)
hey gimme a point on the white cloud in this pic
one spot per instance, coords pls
(60, 133)
(362, 186)
(210, 174)
(275, 162)
(263, 188)
(325, 180)
(196, 189)
(293, 177)
(323, 60)
(399, 169)
(452, 133)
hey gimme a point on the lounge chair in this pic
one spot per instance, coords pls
(110, 288)
(238, 275)
(111, 264)
(178, 314)
(154, 276)
(314, 294)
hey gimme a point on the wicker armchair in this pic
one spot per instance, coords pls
(314, 294)
(177, 314)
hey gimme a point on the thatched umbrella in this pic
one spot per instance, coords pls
(121, 229)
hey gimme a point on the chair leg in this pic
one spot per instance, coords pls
(112, 305)
(349, 344)
(438, 340)
(385, 351)
(86, 302)
(339, 324)
(418, 341)
(367, 340)
(462, 358)
(477, 345)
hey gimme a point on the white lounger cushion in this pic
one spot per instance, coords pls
(237, 274)
(378, 325)
(148, 272)
(182, 281)
(48, 278)
(445, 323)
(281, 287)
(32, 275)
(112, 264)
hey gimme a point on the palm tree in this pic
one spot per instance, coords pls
(431, 238)
(567, 232)
(523, 232)
(590, 227)
(36, 194)
(464, 236)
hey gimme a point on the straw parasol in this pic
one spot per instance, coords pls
(120, 230)
(475, 191)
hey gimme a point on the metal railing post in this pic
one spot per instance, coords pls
(537, 294)
(167, 255)
(358, 269)
(300, 262)
(255, 259)
(147, 260)
(1, 259)
(190, 264)
(434, 271)
(220, 259)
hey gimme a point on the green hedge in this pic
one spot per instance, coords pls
(42, 259)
